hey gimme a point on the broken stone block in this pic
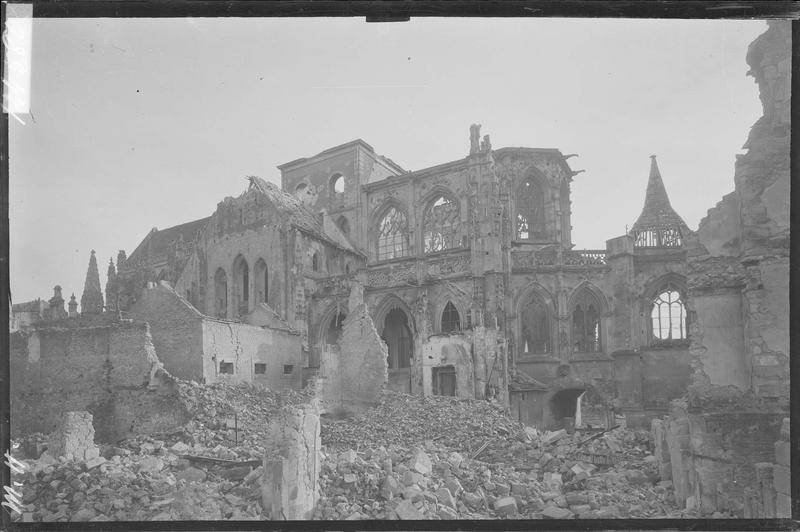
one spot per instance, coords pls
(407, 511)
(94, 462)
(473, 500)
(421, 463)
(445, 497)
(519, 490)
(412, 493)
(74, 438)
(505, 506)
(552, 512)
(454, 485)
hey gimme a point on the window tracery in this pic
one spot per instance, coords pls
(392, 235)
(439, 225)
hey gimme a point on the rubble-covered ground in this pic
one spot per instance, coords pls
(410, 458)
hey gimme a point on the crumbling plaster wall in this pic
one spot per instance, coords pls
(449, 350)
(244, 345)
(110, 370)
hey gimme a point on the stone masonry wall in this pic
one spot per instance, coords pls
(355, 375)
(175, 326)
(109, 370)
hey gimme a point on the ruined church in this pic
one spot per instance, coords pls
(468, 273)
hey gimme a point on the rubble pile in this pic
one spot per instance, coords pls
(140, 481)
(409, 458)
(443, 458)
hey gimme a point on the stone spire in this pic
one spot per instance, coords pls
(73, 307)
(657, 211)
(92, 298)
(111, 286)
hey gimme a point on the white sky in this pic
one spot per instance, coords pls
(143, 123)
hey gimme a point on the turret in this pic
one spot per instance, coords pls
(658, 226)
(92, 298)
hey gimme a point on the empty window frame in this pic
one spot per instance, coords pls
(439, 225)
(392, 239)
(530, 210)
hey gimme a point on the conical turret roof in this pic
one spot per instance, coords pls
(92, 298)
(657, 212)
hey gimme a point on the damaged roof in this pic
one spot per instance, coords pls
(158, 241)
(297, 213)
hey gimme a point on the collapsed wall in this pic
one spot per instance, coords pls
(355, 373)
(108, 368)
(738, 307)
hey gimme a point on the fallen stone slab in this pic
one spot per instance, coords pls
(553, 512)
(407, 511)
(505, 506)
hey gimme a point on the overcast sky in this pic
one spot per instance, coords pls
(150, 123)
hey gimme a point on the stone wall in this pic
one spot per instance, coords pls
(175, 326)
(110, 370)
(244, 346)
(192, 346)
(355, 372)
(713, 457)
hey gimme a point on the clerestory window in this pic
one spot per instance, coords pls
(392, 239)
(586, 324)
(439, 225)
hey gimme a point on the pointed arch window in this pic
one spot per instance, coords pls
(392, 239)
(439, 225)
(221, 294)
(530, 210)
(451, 321)
(535, 327)
(586, 332)
(262, 281)
(668, 315)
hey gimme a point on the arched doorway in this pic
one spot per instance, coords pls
(564, 407)
(400, 344)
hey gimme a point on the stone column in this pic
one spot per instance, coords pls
(291, 464)
(782, 480)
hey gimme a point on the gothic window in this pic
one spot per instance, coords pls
(399, 341)
(530, 210)
(668, 315)
(241, 278)
(315, 262)
(393, 235)
(450, 318)
(262, 281)
(535, 327)
(334, 331)
(300, 189)
(586, 324)
(439, 225)
(221, 294)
